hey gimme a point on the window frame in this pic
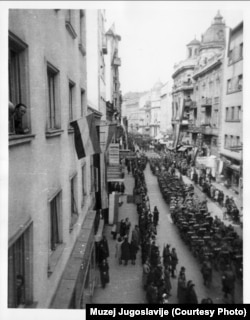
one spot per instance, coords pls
(74, 213)
(55, 202)
(22, 260)
(18, 81)
(53, 103)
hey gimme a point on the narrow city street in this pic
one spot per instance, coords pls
(126, 281)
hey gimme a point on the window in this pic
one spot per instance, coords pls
(226, 141)
(231, 141)
(55, 222)
(82, 102)
(20, 288)
(92, 187)
(229, 85)
(230, 57)
(227, 114)
(240, 82)
(71, 100)
(238, 141)
(241, 51)
(189, 52)
(238, 113)
(232, 113)
(53, 112)
(73, 197)
(18, 84)
(82, 33)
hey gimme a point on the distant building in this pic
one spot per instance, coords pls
(166, 108)
(232, 110)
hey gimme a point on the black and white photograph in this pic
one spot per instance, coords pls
(122, 157)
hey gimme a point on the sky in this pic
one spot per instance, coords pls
(154, 36)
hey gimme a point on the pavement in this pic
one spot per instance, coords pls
(125, 284)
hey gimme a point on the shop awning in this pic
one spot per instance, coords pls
(234, 167)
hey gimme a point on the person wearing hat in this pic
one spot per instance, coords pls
(191, 296)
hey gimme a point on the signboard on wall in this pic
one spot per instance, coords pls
(114, 154)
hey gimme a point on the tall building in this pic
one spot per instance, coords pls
(182, 93)
(232, 110)
(208, 77)
(51, 254)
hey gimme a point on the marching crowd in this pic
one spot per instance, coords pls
(159, 268)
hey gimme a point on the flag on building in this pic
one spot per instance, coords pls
(85, 136)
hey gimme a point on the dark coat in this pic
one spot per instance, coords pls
(133, 250)
(191, 297)
(125, 248)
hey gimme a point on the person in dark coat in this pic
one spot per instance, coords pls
(155, 216)
(207, 272)
(152, 293)
(122, 228)
(102, 250)
(191, 296)
(167, 280)
(104, 273)
(133, 251)
(125, 251)
(122, 188)
(181, 288)
(228, 282)
(166, 256)
(174, 262)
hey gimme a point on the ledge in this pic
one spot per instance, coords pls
(53, 133)
(19, 139)
(70, 29)
(54, 258)
(82, 49)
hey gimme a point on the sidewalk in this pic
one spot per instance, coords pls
(125, 281)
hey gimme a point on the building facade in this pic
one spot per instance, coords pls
(232, 110)
(182, 94)
(208, 77)
(48, 213)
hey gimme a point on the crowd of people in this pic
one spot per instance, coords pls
(212, 242)
(215, 245)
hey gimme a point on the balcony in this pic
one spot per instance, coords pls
(208, 130)
(206, 102)
(184, 85)
(117, 62)
(194, 129)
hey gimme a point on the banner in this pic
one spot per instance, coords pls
(85, 136)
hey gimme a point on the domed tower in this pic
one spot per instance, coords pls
(193, 48)
(214, 37)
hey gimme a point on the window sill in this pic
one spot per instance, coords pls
(54, 258)
(82, 49)
(18, 139)
(70, 29)
(235, 61)
(232, 121)
(53, 133)
(235, 91)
